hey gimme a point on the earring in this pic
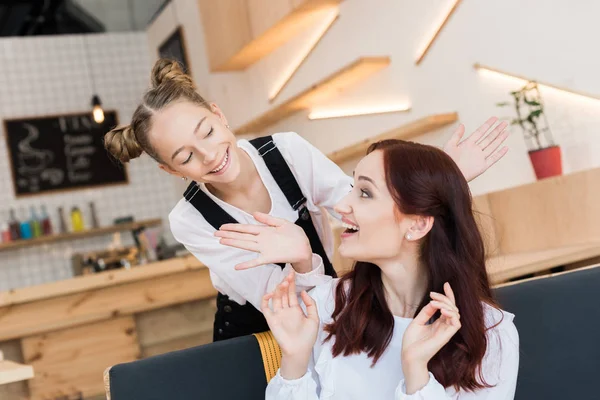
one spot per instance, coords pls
(184, 178)
(227, 126)
(408, 236)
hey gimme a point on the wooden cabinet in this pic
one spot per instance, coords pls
(240, 32)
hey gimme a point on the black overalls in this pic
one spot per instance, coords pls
(232, 319)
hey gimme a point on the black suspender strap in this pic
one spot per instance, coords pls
(216, 216)
(211, 211)
(279, 170)
(284, 177)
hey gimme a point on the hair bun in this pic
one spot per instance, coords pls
(122, 144)
(166, 70)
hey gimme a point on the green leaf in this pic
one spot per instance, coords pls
(535, 114)
(532, 102)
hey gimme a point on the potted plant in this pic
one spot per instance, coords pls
(544, 153)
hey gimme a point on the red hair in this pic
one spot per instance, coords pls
(423, 180)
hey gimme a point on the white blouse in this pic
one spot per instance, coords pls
(352, 377)
(321, 181)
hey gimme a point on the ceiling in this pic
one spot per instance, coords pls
(57, 17)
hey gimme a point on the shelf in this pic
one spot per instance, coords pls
(18, 244)
(404, 132)
(13, 372)
(93, 282)
(354, 72)
(246, 37)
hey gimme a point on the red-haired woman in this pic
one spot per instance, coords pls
(415, 318)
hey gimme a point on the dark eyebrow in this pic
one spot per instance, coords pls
(179, 150)
(366, 178)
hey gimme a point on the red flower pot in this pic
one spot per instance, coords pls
(546, 162)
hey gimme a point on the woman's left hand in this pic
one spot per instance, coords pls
(480, 151)
(277, 241)
(422, 340)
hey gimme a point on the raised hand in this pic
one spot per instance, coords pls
(478, 152)
(277, 241)
(422, 340)
(294, 330)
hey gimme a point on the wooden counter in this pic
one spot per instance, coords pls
(70, 331)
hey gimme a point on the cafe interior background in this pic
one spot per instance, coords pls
(111, 285)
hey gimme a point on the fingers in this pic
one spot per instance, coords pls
(440, 305)
(453, 318)
(449, 293)
(311, 306)
(443, 299)
(495, 157)
(425, 314)
(268, 219)
(257, 262)
(235, 235)
(493, 135)
(264, 305)
(478, 134)
(493, 146)
(277, 296)
(293, 297)
(285, 296)
(242, 228)
(241, 244)
(456, 136)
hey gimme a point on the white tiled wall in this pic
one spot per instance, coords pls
(47, 76)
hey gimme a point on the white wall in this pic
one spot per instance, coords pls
(48, 76)
(551, 41)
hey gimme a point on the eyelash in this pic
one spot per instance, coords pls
(363, 191)
(190, 156)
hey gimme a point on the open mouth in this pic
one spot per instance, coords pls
(351, 228)
(224, 164)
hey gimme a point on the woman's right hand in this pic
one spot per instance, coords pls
(295, 331)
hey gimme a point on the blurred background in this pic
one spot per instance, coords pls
(77, 227)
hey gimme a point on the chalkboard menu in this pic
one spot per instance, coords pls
(60, 153)
(174, 49)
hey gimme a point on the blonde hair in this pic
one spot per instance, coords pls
(169, 84)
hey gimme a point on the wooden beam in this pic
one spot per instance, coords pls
(266, 42)
(13, 372)
(404, 132)
(354, 72)
(524, 80)
(316, 40)
(101, 304)
(437, 32)
(22, 243)
(100, 280)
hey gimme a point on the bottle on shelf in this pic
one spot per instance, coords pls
(62, 222)
(5, 228)
(76, 220)
(46, 223)
(36, 226)
(26, 232)
(94, 215)
(14, 226)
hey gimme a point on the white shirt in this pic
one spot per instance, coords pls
(352, 377)
(321, 181)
